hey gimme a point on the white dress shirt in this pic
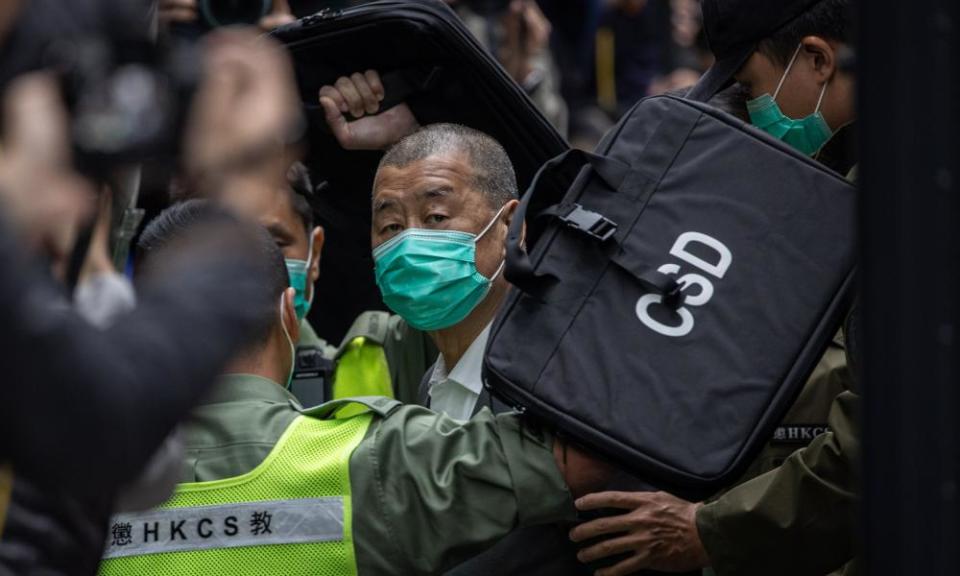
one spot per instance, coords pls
(455, 392)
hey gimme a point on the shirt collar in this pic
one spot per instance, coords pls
(241, 387)
(468, 372)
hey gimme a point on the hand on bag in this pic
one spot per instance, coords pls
(42, 197)
(360, 96)
(659, 532)
(246, 107)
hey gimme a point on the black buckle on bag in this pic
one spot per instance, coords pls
(592, 223)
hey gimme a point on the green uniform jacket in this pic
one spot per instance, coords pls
(428, 493)
(808, 416)
(807, 419)
(800, 519)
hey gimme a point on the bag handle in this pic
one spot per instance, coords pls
(705, 88)
(518, 268)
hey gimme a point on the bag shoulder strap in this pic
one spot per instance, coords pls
(519, 269)
(381, 406)
(372, 325)
(560, 171)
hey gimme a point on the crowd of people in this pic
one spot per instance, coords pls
(170, 409)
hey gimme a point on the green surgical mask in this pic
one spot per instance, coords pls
(298, 271)
(807, 134)
(430, 277)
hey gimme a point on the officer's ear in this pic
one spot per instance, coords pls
(822, 56)
(313, 272)
(289, 315)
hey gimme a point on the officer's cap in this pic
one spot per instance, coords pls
(734, 28)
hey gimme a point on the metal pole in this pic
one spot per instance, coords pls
(910, 220)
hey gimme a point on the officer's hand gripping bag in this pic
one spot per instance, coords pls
(674, 291)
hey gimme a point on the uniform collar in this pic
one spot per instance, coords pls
(240, 387)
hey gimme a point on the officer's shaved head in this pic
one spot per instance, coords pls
(493, 173)
(186, 222)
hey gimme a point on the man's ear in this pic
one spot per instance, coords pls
(289, 318)
(313, 271)
(823, 56)
(509, 212)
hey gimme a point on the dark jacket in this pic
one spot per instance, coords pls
(88, 407)
(82, 410)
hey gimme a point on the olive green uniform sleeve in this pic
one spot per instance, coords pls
(799, 519)
(811, 410)
(429, 492)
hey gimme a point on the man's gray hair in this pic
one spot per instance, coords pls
(493, 173)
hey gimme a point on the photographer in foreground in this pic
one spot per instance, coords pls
(83, 409)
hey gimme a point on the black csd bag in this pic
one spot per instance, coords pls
(676, 290)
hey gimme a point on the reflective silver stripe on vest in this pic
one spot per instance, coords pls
(225, 526)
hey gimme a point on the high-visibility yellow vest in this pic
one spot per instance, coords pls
(382, 355)
(362, 370)
(289, 516)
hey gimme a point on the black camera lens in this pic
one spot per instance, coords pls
(231, 12)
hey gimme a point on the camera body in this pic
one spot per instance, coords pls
(128, 99)
(127, 96)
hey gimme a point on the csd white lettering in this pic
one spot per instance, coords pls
(717, 269)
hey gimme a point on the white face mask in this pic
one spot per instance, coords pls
(293, 348)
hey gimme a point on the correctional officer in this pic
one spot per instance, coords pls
(282, 208)
(800, 518)
(270, 488)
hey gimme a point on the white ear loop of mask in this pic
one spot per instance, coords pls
(483, 232)
(309, 284)
(293, 349)
(787, 73)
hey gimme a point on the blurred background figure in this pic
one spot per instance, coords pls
(93, 385)
(518, 34)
